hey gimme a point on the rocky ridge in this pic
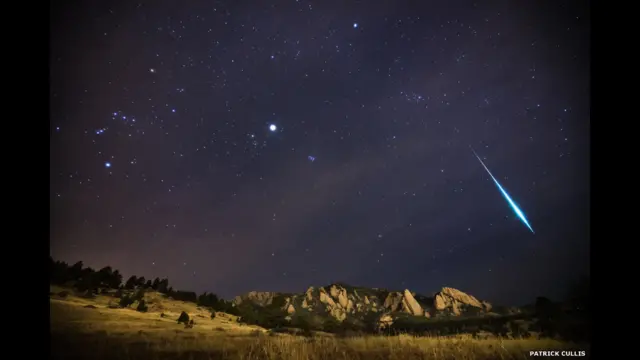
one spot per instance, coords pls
(342, 301)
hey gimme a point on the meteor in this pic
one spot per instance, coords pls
(504, 193)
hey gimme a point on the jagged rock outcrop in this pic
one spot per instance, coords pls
(393, 301)
(290, 309)
(487, 306)
(334, 300)
(411, 305)
(457, 301)
(262, 298)
(404, 302)
(385, 321)
(340, 302)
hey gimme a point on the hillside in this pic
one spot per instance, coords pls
(95, 327)
(97, 315)
(70, 308)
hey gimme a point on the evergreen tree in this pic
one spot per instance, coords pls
(139, 295)
(75, 272)
(163, 286)
(116, 280)
(131, 283)
(104, 275)
(142, 306)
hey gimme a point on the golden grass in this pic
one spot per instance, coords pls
(104, 333)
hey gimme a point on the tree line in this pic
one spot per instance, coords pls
(88, 280)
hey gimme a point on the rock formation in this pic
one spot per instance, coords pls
(262, 298)
(457, 301)
(340, 301)
(410, 304)
(385, 321)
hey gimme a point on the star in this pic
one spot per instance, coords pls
(389, 112)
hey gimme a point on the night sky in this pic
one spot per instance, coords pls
(275, 145)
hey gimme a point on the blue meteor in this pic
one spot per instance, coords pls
(504, 193)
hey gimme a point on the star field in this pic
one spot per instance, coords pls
(237, 146)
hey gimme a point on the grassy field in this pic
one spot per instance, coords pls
(100, 332)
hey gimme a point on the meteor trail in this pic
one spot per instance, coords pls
(504, 193)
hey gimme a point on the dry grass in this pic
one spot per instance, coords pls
(103, 333)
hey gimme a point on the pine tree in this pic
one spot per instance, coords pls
(163, 286)
(131, 283)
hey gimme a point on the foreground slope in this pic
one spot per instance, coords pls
(93, 328)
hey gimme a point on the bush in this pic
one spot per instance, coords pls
(142, 307)
(213, 315)
(125, 301)
(331, 325)
(139, 295)
(184, 318)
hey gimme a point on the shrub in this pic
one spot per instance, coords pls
(125, 301)
(139, 295)
(142, 307)
(184, 318)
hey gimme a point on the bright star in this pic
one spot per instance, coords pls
(272, 127)
(355, 25)
(107, 164)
